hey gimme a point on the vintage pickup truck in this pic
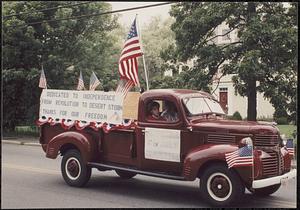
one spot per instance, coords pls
(194, 146)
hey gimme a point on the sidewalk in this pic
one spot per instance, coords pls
(34, 141)
(27, 140)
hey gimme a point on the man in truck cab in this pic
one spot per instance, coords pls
(170, 112)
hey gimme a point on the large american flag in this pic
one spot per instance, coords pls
(94, 82)
(43, 82)
(290, 146)
(80, 85)
(241, 157)
(128, 65)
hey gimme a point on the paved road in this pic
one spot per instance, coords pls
(30, 180)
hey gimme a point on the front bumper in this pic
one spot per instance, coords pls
(274, 180)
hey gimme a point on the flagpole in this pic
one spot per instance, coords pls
(140, 35)
(44, 74)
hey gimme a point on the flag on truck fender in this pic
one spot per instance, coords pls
(43, 82)
(128, 65)
(80, 85)
(240, 157)
(290, 146)
(124, 86)
(94, 82)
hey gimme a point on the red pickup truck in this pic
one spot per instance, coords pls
(199, 143)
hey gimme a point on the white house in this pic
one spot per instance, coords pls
(224, 90)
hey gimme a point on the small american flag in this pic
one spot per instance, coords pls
(241, 157)
(128, 65)
(43, 82)
(94, 82)
(124, 86)
(290, 146)
(80, 85)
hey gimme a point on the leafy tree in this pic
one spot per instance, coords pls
(84, 43)
(156, 37)
(263, 59)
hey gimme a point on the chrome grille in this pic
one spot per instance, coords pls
(220, 139)
(266, 140)
(281, 164)
(270, 164)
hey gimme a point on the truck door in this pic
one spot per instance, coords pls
(118, 146)
(159, 140)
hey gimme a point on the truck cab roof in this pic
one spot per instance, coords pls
(177, 93)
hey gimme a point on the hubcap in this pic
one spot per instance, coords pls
(73, 168)
(219, 186)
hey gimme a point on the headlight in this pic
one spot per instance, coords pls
(246, 141)
(283, 139)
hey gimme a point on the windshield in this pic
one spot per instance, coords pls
(200, 105)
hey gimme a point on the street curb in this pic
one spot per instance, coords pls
(31, 144)
(20, 143)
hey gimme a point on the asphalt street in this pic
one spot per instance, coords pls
(30, 180)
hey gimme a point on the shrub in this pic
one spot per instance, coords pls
(266, 119)
(281, 121)
(236, 116)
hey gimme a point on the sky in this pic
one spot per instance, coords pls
(144, 15)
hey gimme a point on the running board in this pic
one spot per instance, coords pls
(101, 165)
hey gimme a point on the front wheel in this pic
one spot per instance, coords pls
(266, 191)
(74, 171)
(221, 186)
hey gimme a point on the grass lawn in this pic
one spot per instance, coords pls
(287, 130)
(21, 131)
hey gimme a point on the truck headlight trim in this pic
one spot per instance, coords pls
(246, 141)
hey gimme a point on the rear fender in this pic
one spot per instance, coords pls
(203, 156)
(83, 142)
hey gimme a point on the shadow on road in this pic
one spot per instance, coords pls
(181, 193)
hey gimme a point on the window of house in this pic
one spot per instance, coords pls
(223, 89)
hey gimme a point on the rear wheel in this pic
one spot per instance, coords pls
(220, 186)
(266, 191)
(74, 171)
(125, 174)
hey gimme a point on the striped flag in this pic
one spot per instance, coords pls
(128, 65)
(94, 82)
(290, 146)
(241, 157)
(80, 85)
(43, 82)
(124, 86)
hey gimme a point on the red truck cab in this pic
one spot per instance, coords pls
(195, 145)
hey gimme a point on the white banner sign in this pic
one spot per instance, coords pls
(162, 144)
(90, 106)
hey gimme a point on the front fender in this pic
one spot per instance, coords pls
(207, 153)
(81, 141)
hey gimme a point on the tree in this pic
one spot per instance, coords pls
(156, 37)
(85, 43)
(263, 59)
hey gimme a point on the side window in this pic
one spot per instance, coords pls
(163, 111)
